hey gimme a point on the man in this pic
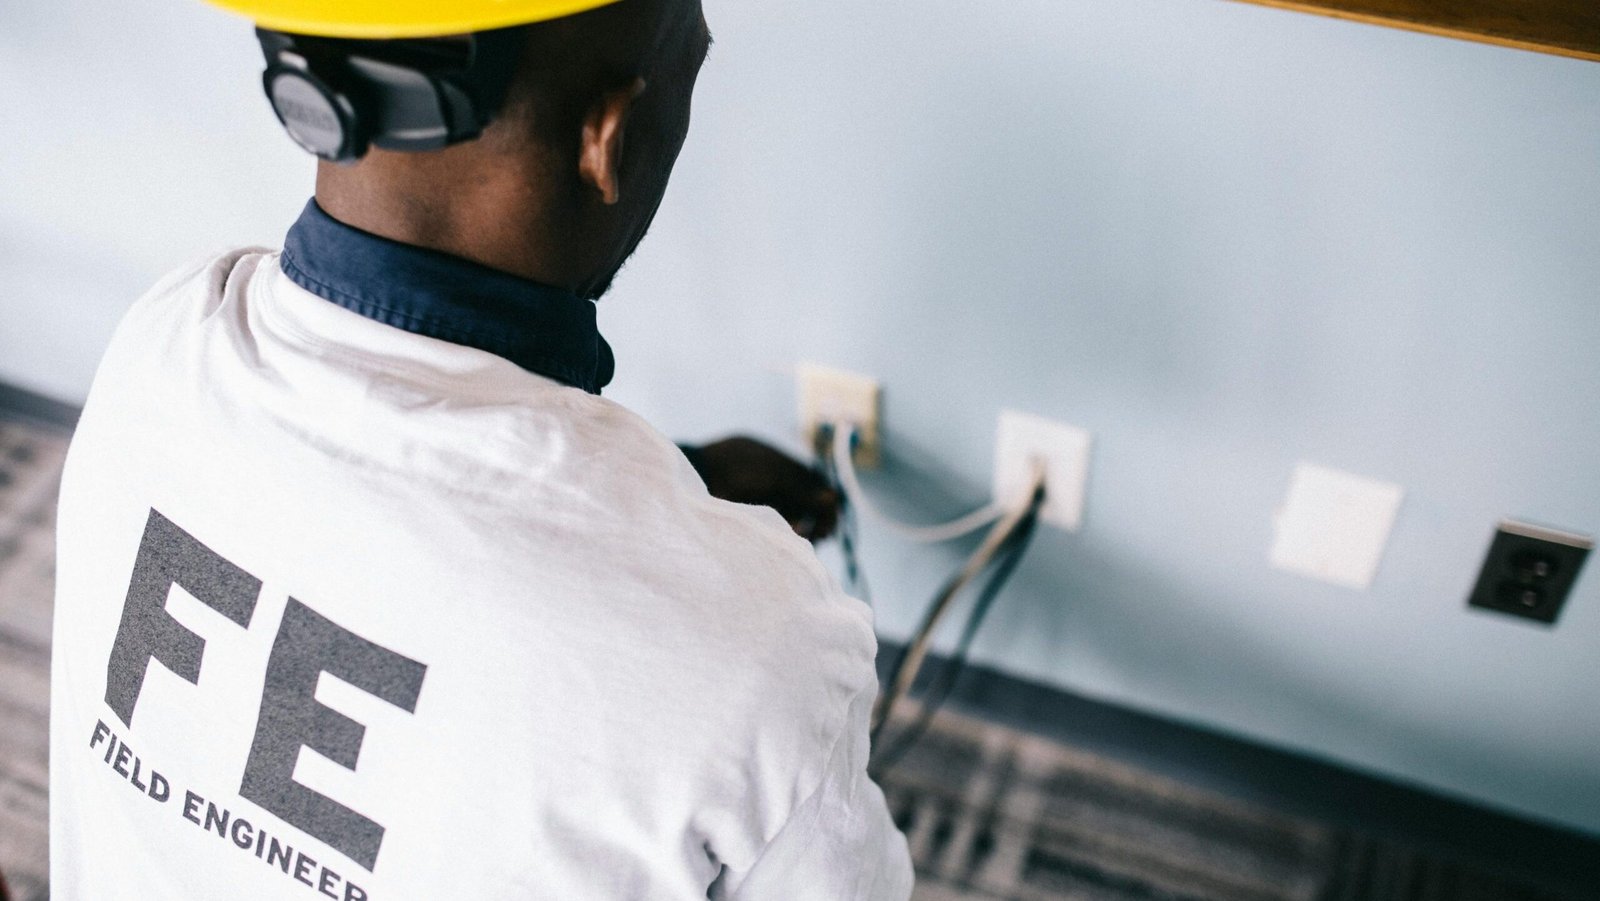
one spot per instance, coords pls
(365, 592)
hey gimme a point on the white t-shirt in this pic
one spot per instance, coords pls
(345, 611)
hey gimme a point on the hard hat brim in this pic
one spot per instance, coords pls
(392, 19)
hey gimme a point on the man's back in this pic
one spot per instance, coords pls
(555, 667)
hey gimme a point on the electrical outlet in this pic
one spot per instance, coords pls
(1530, 570)
(833, 395)
(1063, 449)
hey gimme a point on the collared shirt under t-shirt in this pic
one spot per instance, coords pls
(365, 592)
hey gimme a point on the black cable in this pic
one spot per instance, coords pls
(854, 571)
(943, 682)
(906, 666)
(915, 653)
(849, 535)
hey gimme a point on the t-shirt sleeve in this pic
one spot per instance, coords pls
(840, 843)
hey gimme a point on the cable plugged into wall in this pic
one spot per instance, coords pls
(840, 416)
(832, 396)
(1040, 474)
(1027, 448)
(842, 452)
(1023, 443)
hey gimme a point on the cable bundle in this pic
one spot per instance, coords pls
(994, 561)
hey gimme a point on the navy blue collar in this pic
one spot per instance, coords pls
(545, 330)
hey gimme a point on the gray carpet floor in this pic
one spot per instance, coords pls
(991, 814)
(1001, 815)
(30, 461)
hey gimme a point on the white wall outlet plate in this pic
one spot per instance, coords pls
(1064, 450)
(834, 395)
(1333, 525)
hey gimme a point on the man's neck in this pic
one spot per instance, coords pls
(451, 206)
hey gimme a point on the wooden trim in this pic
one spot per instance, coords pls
(1562, 27)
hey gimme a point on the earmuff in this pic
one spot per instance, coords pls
(338, 96)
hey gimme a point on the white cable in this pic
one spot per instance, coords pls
(972, 522)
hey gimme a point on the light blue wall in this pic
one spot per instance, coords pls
(136, 140)
(1223, 238)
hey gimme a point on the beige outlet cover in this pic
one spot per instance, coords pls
(835, 395)
(1333, 525)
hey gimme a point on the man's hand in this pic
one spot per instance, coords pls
(746, 471)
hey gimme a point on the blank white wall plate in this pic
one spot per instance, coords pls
(834, 395)
(1334, 525)
(1020, 438)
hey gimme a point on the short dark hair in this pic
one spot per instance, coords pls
(567, 62)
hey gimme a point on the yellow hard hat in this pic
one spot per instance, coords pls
(385, 19)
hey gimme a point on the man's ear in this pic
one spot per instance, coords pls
(600, 159)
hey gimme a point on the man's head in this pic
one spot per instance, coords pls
(565, 179)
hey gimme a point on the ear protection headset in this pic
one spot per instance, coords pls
(337, 96)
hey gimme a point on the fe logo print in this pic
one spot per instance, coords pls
(307, 645)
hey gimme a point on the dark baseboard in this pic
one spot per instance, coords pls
(1540, 854)
(20, 403)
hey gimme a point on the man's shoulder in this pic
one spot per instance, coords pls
(737, 554)
(187, 294)
(206, 275)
